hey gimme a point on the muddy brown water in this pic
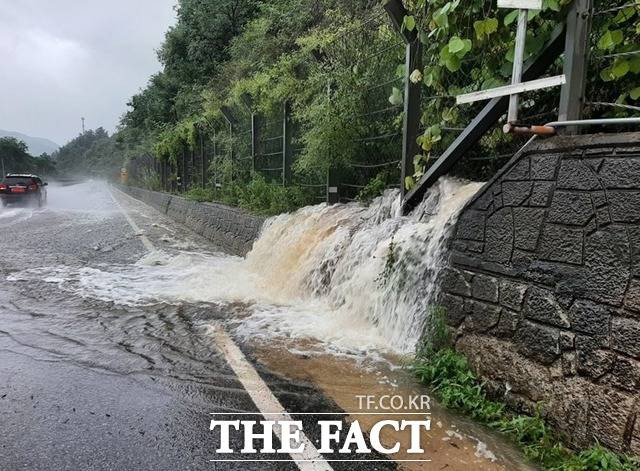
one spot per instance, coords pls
(453, 443)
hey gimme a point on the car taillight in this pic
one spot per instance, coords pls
(3, 186)
(33, 187)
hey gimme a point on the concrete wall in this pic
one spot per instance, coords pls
(543, 288)
(231, 229)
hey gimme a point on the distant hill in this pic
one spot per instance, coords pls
(37, 145)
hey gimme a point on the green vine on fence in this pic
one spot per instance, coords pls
(469, 46)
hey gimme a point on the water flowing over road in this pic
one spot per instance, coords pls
(109, 357)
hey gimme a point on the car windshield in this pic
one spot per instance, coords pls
(18, 181)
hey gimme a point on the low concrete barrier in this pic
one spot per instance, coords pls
(232, 230)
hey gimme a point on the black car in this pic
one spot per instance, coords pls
(20, 188)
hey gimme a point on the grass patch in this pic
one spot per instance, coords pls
(200, 194)
(257, 196)
(449, 376)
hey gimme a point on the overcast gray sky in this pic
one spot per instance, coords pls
(64, 59)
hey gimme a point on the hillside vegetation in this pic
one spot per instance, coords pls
(36, 145)
(326, 59)
(15, 158)
(93, 153)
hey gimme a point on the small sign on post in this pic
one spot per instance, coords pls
(517, 86)
(520, 4)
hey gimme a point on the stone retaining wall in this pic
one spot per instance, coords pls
(231, 229)
(543, 287)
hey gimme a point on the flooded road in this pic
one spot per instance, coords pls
(118, 338)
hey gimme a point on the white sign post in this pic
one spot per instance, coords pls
(517, 86)
(520, 4)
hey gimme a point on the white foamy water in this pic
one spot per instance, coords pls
(353, 277)
(15, 214)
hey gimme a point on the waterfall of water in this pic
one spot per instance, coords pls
(367, 263)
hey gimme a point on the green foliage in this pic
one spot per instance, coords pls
(448, 374)
(148, 179)
(463, 56)
(277, 51)
(259, 196)
(92, 153)
(16, 159)
(376, 186)
(598, 458)
(269, 199)
(172, 141)
(323, 57)
(200, 194)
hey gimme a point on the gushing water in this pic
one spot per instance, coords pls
(353, 277)
(366, 263)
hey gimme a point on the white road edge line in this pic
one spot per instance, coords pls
(138, 232)
(310, 459)
(261, 395)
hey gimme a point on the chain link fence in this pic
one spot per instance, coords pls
(374, 80)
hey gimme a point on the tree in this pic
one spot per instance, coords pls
(16, 158)
(93, 152)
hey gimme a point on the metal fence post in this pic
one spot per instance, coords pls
(203, 158)
(286, 144)
(333, 194)
(183, 180)
(215, 159)
(411, 120)
(165, 177)
(231, 154)
(192, 168)
(413, 60)
(228, 116)
(575, 63)
(255, 140)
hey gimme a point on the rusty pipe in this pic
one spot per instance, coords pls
(549, 129)
(537, 130)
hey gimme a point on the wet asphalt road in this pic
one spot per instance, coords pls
(88, 384)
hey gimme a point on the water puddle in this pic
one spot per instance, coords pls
(452, 443)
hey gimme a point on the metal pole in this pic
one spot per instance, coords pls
(286, 145)
(215, 159)
(163, 167)
(228, 116)
(231, 150)
(203, 159)
(255, 140)
(333, 196)
(411, 120)
(184, 170)
(594, 122)
(518, 60)
(575, 63)
(192, 167)
(413, 60)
